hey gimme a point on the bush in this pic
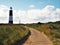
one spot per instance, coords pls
(57, 35)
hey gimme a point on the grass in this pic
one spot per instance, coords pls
(52, 30)
(10, 34)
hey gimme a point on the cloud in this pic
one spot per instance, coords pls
(31, 6)
(47, 14)
(3, 14)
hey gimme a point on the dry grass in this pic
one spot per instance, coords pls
(52, 30)
(9, 34)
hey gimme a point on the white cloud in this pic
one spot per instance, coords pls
(47, 14)
(3, 14)
(31, 6)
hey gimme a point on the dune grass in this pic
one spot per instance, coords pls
(10, 34)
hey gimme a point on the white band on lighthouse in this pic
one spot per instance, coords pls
(10, 18)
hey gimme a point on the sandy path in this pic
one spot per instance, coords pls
(37, 38)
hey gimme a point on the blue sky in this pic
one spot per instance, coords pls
(24, 4)
(30, 11)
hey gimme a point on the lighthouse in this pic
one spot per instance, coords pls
(10, 16)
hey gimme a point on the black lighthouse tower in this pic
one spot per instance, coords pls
(10, 16)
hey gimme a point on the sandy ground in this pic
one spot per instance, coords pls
(37, 38)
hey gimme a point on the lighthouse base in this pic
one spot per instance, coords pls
(10, 22)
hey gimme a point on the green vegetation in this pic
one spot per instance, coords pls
(10, 34)
(52, 30)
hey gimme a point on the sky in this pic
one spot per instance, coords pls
(30, 11)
